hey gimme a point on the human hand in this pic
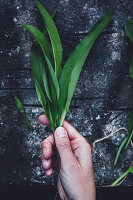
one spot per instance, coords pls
(73, 157)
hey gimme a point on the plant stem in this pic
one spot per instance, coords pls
(62, 118)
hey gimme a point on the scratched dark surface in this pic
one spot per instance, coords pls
(102, 100)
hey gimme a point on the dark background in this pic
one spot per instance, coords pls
(102, 100)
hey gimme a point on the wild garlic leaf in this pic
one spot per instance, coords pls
(129, 139)
(19, 104)
(131, 68)
(129, 28)
(73, 66)
(40, 94)
(120, 178)
(45, 32)
(42, 40)
(46, 50)
(119, 150)
(130, 124)
(38, 68)
(54, 37)
(21, 109)
(130, 169)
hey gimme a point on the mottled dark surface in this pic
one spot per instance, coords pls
(102, 100)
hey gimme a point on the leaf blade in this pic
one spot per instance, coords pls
(54, 37)
(119, 150)
(131, 68)
(43, 44)
(129, 29)
(40, 94)
(38, 68)
(21, 109)
(129, 139)
(77, 59)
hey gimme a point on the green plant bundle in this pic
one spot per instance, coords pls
(21, 109)
(55, 85)
(126, 141)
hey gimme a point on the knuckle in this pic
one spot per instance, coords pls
(64, 144)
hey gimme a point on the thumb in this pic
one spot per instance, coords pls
(63, 145)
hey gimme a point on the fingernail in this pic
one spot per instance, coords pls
(44, 151)
(60, 132)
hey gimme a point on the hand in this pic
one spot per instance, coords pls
(73, 158)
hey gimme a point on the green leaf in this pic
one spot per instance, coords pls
(27, 121)
(120, 178)
(40, 94)
(54, 37)
(46, 50)
(129, 139)
(131, 68)
(19, 104)
(73, 66)
(130, 169)
(130, 124)
(45, 32)
(42, 40)
(119, 150)
(21, 109)
(38, 67)
(129, 28)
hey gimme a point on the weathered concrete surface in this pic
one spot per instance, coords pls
(102, 100)
(20, 148)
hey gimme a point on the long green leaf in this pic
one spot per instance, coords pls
(38, 67)
(54, 37)
(73, 66)
(21, 109)
(40, 94)
(43, 44)
(129, 139)
(131, 68)
(130, 170)
(129, 28)
(119, 150)
(45, 32)
(120, 178)
(42, 40)
(19, 104)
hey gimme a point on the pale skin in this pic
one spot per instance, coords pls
(70, 152)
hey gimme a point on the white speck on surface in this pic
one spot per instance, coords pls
(98, 117)
(15, 19)
(116, 55)
(85, 6)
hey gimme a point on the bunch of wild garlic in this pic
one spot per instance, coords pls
(55, 85)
